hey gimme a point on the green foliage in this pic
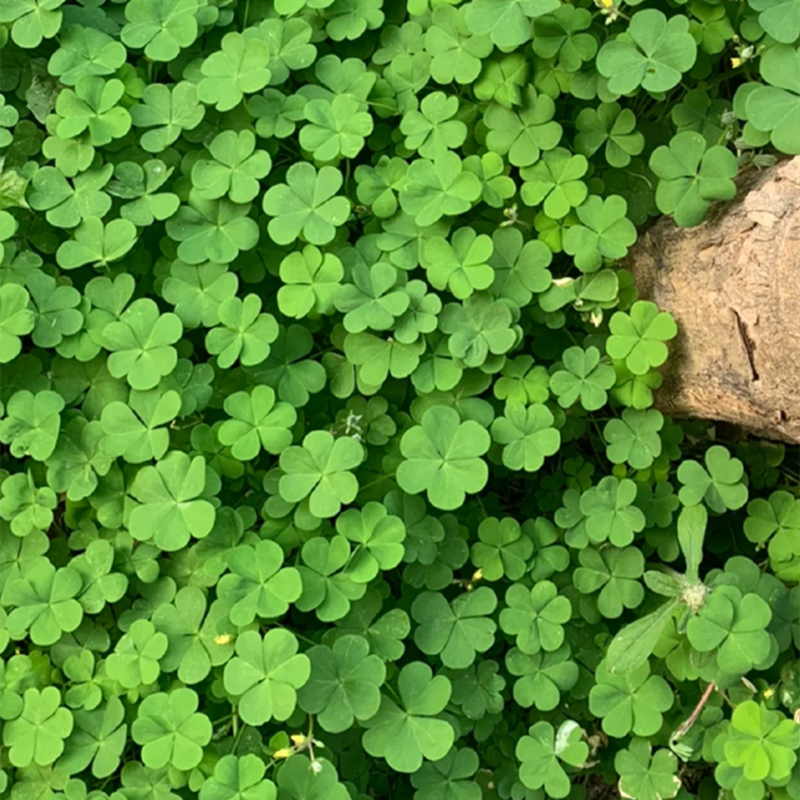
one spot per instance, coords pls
(330, 465)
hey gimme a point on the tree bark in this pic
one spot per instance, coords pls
(733, 285)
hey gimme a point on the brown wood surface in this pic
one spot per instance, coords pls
(733, 285)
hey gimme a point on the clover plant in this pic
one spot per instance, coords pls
(331, 469)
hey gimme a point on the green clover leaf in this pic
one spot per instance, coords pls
(257, 584)
(691, 175)
(615, 572)
(170, 729)
(639, 337)
(646, 777)
(442, 456)
(37, 735)
(610, 513)
(235, 170)
(605, 232)
(736, 624)
(634, 438)
(542, 677)
(455, 631)
(162, 29)
(172, 509)
(306, 204)
(402, 735)
(239, 67)
(543, 750)
(378, 537)
(312, 280)
(535, 616)
(613, 126)
(238, 778)
(503, 550)
(524, 133)
(719, 484)
(344, 684)
(527, 435)
(634, 701)
(460, 265)
(265, 674)
(653, 53)
(320, 469)
(556, 180)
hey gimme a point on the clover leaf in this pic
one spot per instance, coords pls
(718, 484)
(378, 537)
(402, 735)
(736, 624)
(337, 128)
(542, 677)
(612, 125)
(615, 573)
(320, 469)
(169, 111)
(527, 435)
(776, 108)
(43, 603)
(239, 67)
(535, 616)
(605, 232)
(645, 776)
(257, 584)
(503, 550)
(37, 735)
(460, 265)
(134, 662)
(172, 508)
(442, 456)
(654, 53)
(691, 175)
(556, 180)
(524, 133)
(639, 337)
(762, 742)
(170, 729)
(311, 282)
(455, 631)
(438, 187)
(32, 424)
(634, 438)
(307, 203)
(373, 299)
(235, 170)
(543, 750)
(162, 29)
(238, 778)
(257, 422)
(344, 684)
(26, 506)
(265, 674)
(610, 513)
(508, 24)
(244, 333)
(634, 701)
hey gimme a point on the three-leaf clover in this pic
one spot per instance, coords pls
(527, 435)
(691, 176)
(265, 675)
(239, 67)
(460, 265)
(311, 282)
(615, 572)
(238, 778)
(378, 537)
(653, 53)
(638, 337)
(258, 584)
(633, 701)
(604, 232)
(502, 549)
(535, 616)
(403, 735)
(583, 378)
(542, 752)
(344, 684)
(173, 508)
(556, 181)
(457, 630)
(542, 677)
(170, 729)
(634, 438)
(37, 735)
(718, 484)
(646, 776)
(321, 470)
(306, 204)
(442, 456)
(257, 422)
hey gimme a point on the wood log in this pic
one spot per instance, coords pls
(733, 285)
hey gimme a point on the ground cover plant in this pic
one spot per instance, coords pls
(331, 469)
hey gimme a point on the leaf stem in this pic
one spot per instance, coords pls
(686, 726)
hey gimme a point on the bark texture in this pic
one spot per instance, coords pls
(733, 285)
